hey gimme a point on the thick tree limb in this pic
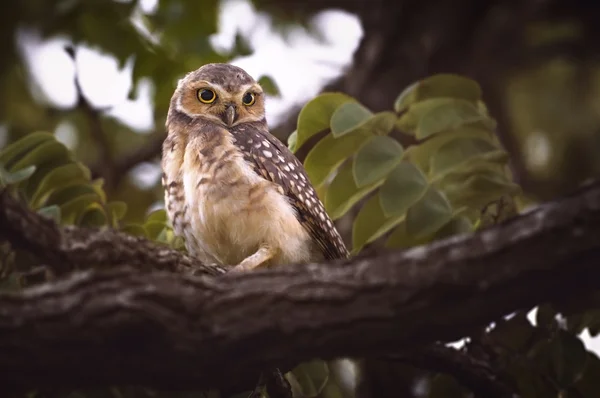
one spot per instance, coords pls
(72, 248)
(162, 329)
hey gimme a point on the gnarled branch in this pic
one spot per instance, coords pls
(169, 330)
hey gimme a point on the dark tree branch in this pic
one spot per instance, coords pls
(72, 248)
(180, 331)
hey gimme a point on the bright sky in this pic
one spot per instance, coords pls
(301, 66)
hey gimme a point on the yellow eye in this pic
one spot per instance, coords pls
(206, 96)
(248, 99)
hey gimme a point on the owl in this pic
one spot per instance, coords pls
(234, 192)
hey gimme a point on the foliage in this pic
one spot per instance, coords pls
(434, 188)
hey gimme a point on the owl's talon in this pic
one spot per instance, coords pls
(262, 255)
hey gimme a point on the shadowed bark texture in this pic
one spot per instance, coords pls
(130, 326)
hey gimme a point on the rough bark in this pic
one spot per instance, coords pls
(180, 331)
(72, 248)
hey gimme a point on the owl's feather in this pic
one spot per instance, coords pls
(271, 159)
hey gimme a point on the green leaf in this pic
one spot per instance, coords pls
(52, 212)
(159, 215)
(59, 177)
(428, 214)
(343, 193)
(315, 116)
(116, 210)
(352, 117)
(349, 117)
(14, 151)
(421, 154)
(45, 152)
(293, 141)
(376, 159)
(154, 229)
(135, 230)
(459, 224)
(477, 190)
(312, 377)
(68, 193)
(435, 115)
(329, 153)
(569, 358)
(403, 187)
(449, 115)
(371, 223)
(269, 86)
(440, 85)
(9, 178)
(457, 151)
(72, 209)
(93, 216)
(401, 239)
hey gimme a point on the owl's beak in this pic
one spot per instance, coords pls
(230, 114)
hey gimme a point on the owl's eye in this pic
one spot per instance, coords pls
(248, 99)
(206, 96)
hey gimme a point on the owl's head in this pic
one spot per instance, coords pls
(222, 93)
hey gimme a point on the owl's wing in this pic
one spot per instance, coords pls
(271, 159)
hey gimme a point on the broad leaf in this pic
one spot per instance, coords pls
(57, 178)
(376, 159)
(352, 117)
(421, 154)
(93, 216)
(430, 213)
(441, 85)
(52, 212)
(402, 188)
(329, 153)
(269, 86)
(315, 116)
(159, 215)
(72, 209)
(16, 150)
(311, 377)
(343, 192)
(371, 223)
(45, 152)
(293, 141)
(9, 178)
(449, 115)
(457, 151)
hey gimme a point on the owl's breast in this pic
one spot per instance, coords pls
(231, 210)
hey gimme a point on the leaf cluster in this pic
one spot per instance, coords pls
(410, 195)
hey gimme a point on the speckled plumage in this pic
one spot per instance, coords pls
(237, 194)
